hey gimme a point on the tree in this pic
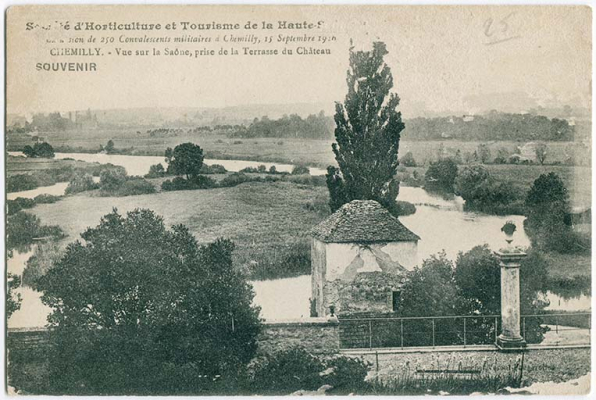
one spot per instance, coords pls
(80, 182)
(478, 278)
(367, 132)
(109, 147)
(430, 290)
(408, 160)
(441, 175)
(13, 299)
(140, 309)
(300, 170)
(39, 150)
(111, 180)
(540, 152)
(471, 183)
(484, 153)
(186, 159)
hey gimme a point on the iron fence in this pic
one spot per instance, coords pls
(469, 330)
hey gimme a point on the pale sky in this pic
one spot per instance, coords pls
(438, 56)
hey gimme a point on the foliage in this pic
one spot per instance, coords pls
(408, 160)
(186, 159)
(494, 126)
(441, 175)
(46, 199)
(483, 153)
(112, 180)
(315, 126)
(81, 182)
(547, 208)
(156, 171)
(286, 371)
(289, 370)
(133, 186)
(146, 306)
(367, 132)
(13, 299)
(300, 170)
(478, 278)
(44, 257)
(484, 193)
(541, 153)
(18, 204)
(492, 376)
(418, 300)
(22, 228)
(21, 182)
(213, 169)
(291, 261)
(198, 182)
(39, 150)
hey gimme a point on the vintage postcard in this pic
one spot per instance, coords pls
(307, 200)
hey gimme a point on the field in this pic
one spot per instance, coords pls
(266, 221)
(22, 165)
(299, 151)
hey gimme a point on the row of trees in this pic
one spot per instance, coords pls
(493, 126)
(315, 126)
(39, 150)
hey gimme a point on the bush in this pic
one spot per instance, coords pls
(22, 228)
(133, 187)
(18, 204)
(237, 178)
(441, 175)
(408, 160)
(213, 169)
(81, 183)
(286, 371)
(111, 180)
(156, 171)
(300, 170)
(289, 370)
(46, 199)
(198, 182)
(21, 182)
(39, 150)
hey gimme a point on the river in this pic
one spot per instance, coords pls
(441, 222)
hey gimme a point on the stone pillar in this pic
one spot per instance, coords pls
(510, 337)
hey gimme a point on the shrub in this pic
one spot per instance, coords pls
(300, 170)
(213, 169)
(408, 160)
(156, 171)
(18, 204)
(46, 199)
(237, 141)
(22, 228)
(347, 374)
(133, 187)
(198, 182)
(286, 371)
(21, 182)
(81, 182)
(237, 178)
(273, 169)
(111, 180)
(441, 175)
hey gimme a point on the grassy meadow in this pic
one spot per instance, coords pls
(266, 221)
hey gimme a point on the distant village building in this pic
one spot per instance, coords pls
(360, 255)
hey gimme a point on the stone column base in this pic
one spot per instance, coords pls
(510, 344)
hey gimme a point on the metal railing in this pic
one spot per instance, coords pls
(462, 330)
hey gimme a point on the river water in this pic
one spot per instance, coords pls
(440, 221)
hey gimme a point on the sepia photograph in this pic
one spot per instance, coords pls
(306, 200)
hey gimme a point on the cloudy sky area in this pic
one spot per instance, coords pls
(449, 58)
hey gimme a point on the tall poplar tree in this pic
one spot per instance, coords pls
(367, 132)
